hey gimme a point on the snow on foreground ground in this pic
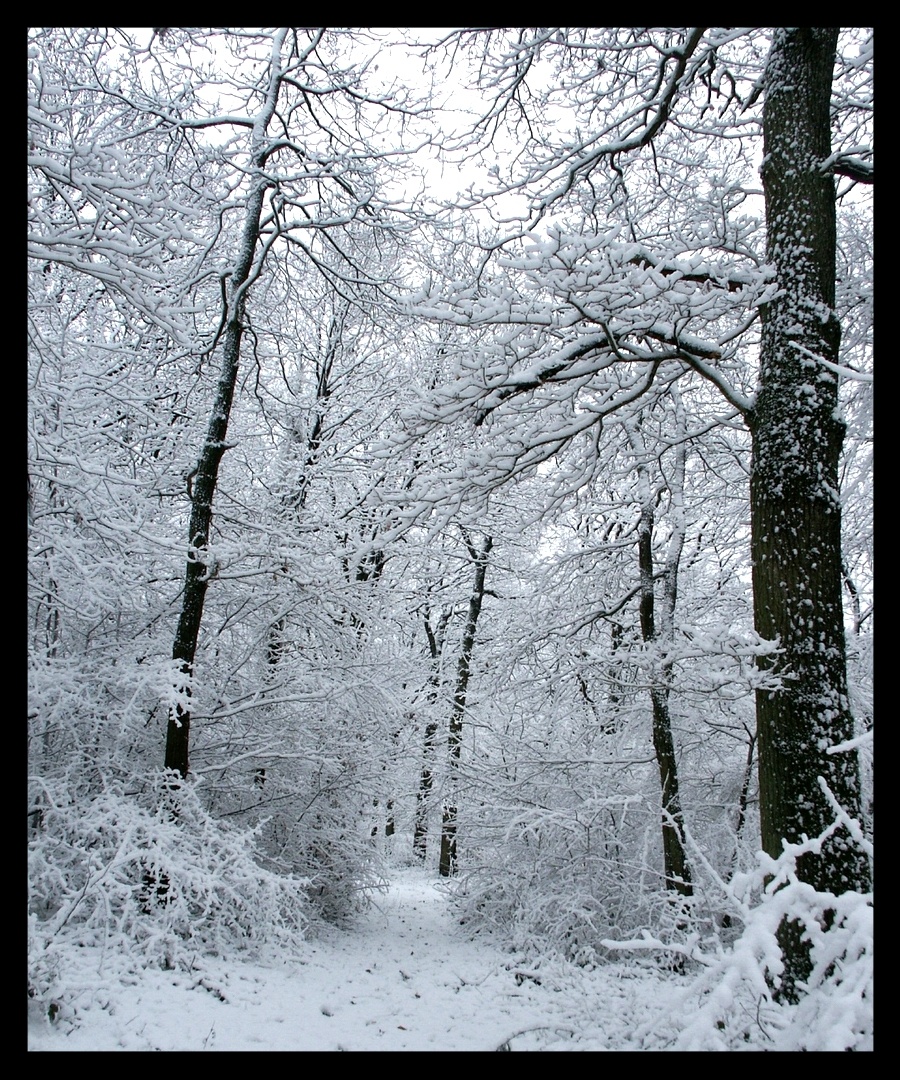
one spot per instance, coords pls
(404, 977)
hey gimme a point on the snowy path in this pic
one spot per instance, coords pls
(403, 978)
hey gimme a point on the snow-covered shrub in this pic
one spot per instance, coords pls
(148, 881)
(731, 1003)
(560, 880)
(322, 841)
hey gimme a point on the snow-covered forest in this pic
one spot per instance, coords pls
(450, 450)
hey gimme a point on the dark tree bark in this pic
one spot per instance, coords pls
(200, 567)
(426, 778)
(479, 556)
(614, 697)
(744, 796)
(200, 564)
(795, 501)
(675, 862)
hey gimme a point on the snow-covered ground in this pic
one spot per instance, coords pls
(403, 977)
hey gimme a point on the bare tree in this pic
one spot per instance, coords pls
(658, 631)
(478, 553)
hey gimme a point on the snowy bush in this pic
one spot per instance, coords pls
(546, 899)
(147, 882)
(558, 881)
(732, 1003)
(320, 842)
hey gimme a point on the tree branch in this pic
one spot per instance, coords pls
(863, 172)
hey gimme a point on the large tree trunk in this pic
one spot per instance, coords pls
(479, 556)
(796, 509)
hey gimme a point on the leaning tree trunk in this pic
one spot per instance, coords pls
(201, 561)
(479, 556)
(795, 500)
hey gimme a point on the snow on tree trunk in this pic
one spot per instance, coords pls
(479, 556)
(796, 509)
(201, 563)
(675, 861)
(435, 636)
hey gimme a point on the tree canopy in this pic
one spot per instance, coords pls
(457, 445)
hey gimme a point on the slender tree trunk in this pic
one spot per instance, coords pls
(795, 501)
(426, 778)
(479, 556)
(744, 797)
(614, 696)
(677, 868)
(743, 801)
(853, 593)
(423, 795)
(201, 565)
(675, 861)
(201, 561)
(294, 502)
